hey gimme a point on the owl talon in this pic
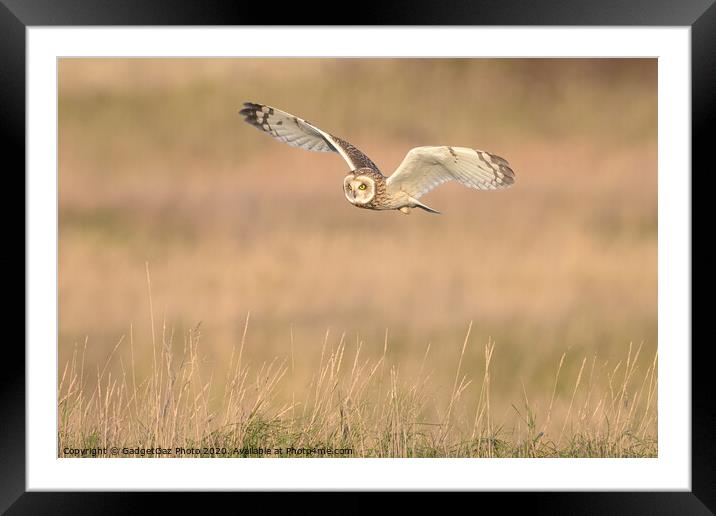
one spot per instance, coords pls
(405, 210)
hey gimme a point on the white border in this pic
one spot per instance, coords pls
(670, 471)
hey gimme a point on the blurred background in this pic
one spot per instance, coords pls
(156, 167)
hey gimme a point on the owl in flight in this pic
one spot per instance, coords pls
(422, 169)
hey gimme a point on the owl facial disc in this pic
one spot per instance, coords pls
(359, 190)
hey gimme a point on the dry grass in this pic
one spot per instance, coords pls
(155, 166)
(353, 406)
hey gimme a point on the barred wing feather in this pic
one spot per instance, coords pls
(424, 168)
(296, 132)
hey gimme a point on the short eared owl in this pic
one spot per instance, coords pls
(422, 169)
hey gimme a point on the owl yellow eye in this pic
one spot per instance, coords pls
(361, 187)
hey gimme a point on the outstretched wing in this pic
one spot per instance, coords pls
(424, 168)
(296, 132)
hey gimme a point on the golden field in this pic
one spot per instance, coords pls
(174, 213)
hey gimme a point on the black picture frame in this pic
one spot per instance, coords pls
(17, 15)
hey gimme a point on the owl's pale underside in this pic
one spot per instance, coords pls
(422, 169)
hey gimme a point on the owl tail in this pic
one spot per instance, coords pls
(419, 204)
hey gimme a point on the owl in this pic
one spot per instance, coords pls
(422, 169)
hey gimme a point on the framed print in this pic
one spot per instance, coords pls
(423, 257)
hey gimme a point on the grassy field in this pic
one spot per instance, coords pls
(203, 293)
(353, 406)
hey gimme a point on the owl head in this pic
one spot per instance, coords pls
(359, 187)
